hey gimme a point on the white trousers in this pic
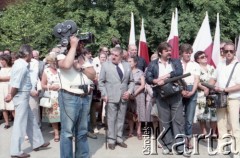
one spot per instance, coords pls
(231, 115)
(24, 122)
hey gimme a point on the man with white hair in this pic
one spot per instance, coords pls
(141, 63)
(41, 64)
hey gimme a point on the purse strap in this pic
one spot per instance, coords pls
(230, 77)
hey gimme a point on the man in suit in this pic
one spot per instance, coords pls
(116, 84)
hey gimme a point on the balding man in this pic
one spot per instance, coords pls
(41, 64)
(141, 63)
(116, 84)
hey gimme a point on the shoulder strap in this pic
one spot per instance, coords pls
(229, 79)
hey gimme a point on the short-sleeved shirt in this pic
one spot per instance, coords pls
(193, 68)
(20, 76)
(71, 77)
(222, 74)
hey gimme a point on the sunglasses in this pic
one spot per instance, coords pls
(226, 51)
(203, 57)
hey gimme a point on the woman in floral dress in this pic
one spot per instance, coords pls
(203, 112)
(50, 83)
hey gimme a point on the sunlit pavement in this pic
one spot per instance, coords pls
(97, 147)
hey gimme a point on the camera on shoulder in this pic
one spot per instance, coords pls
(64, 30)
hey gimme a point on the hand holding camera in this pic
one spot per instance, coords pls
(74, 41)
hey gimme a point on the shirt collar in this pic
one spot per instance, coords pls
(159, 61)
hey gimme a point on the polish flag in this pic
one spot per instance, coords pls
(143, 48)
(173, 39)
(216, 56)
(132, 40)
(238, 49)
(203, 41)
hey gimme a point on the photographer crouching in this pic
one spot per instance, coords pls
(75, 78)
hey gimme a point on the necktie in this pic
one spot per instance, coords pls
(120, 73)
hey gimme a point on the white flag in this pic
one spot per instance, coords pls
(203, 41)
(216, 56)
(132, 40)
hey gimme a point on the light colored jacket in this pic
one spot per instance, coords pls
(110, 83)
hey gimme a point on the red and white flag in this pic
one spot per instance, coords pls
(216, 56)
(173, 39)
(238, 49)
(132, 40)
(143, 48)
(203, 41)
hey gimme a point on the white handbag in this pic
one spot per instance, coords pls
(46, 100)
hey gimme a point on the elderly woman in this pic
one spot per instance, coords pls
(6, 62)
(204, 113)
(137, 100)
(50, 83)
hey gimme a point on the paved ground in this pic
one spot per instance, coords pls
(97, 147)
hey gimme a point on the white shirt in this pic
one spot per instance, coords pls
(96, 61)
(96, 65)
(71, 77)
(164, 69)
(222, 74)
(193, 68)
(34, 68)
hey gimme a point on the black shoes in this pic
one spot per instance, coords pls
(111, 146)
(42, 146)
(122, 144)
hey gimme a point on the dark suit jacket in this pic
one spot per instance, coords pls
(153, 70)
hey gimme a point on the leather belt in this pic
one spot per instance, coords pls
(75, 94)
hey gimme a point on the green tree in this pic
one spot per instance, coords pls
(32, 21)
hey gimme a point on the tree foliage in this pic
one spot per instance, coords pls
(32, 21)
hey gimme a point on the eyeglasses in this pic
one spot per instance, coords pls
(226, 51)
(203, 57)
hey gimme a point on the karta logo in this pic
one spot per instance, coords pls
(151, 142)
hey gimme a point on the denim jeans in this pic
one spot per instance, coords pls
(74, 122)
(190, 107)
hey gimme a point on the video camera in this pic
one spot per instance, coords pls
(68, 28)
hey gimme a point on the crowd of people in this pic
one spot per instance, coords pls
(113, 89)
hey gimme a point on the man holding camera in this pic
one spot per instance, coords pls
(75, 78)
(231, 112)
(169, 108)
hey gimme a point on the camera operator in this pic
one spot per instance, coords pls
(75, 78)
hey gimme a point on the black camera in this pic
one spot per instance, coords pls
(84, 88)
(68, 28)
